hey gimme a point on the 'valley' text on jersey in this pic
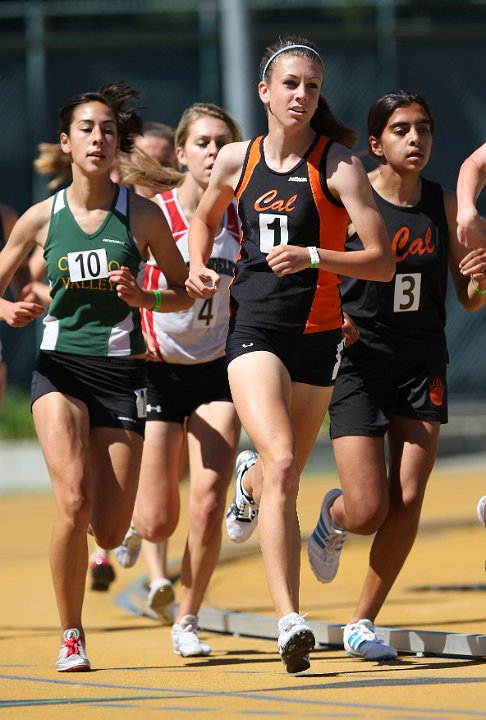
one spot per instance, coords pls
(86, 316)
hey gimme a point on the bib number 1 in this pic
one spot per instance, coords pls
(87, 265)
(273, 231)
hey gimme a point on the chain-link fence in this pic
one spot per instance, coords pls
(170, 50)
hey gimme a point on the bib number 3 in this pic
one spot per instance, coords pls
(407, 292)
(87, 265)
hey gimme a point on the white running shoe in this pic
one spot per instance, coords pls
(185, 640)
(127, 553)
(481, 509)
(72, 654)
(326, 542)
(242, 515)
(159, 599)
(295, 642)
(360, 640)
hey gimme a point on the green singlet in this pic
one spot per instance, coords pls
(86, 317)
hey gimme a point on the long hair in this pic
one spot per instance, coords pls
(323, 121)
(52, 161)
(140, 169)
(116, 96)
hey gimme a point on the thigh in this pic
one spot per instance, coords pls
(308, 409)
(413, 450)
(158, 490)
(62, 426)
(213, 432)
(360, 461)
(115, 457)
(262, 393)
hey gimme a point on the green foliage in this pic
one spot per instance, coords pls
(15, 416)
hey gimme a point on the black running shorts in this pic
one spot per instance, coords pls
(371, 388)
(113, 389)
(175, 390)
(312, 359)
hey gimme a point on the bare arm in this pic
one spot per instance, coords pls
(472, 179)
(27, 231)
(463, 264)
(8, 218)
(152, 234)
(203, 282)
(348, 181)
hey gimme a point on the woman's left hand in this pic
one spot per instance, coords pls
(288, 259)
(474, 263)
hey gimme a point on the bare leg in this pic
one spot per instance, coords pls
(155, 556)
(413, 450)
(264, 398)
(158, 504)
(213, 432)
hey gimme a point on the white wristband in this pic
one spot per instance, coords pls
(314, 257)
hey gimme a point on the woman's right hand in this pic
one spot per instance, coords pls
(202, 283)
(349, 330)
(19, 314)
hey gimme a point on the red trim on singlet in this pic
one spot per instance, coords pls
(150, 282)
(177, 222)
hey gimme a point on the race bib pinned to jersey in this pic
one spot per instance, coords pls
(87, 265)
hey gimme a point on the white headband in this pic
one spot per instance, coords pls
(290, 47)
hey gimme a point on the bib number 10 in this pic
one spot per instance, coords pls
(87, 265)
(273, 231)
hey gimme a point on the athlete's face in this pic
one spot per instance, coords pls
(158, 148)
(406, 141)
(92, 141)
(206, 137)
(291, 93)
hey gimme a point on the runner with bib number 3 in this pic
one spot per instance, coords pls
(392, 381)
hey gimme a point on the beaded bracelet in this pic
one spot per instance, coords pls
(158, 300)
(475, 287)
(314, 257)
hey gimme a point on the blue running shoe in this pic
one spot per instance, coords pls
(360, 640)
(326, 542)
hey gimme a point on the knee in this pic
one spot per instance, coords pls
(206, 514)
(159, 529)
(75, 507)
(281, 476)
(367, 518)
(109, 538)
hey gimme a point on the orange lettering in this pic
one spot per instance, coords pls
(402, 247)
(267, 202)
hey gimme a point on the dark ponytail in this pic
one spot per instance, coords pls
(325, 123)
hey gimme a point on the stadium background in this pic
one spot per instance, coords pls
(180, 51)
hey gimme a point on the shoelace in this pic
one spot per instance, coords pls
(244, 509)
(364, 630)
(335, 542)
(72, 647)
(299, 620)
